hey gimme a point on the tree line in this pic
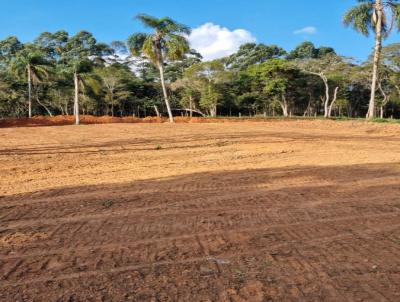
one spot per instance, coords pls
(157, 73)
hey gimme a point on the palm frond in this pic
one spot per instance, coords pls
(40, 72)
(90, 82)
(176, 47)
(163, 25)
(171, 26)
(360, 17)
(135, 43)
(149, 50)
(168, 40)
(148, 21)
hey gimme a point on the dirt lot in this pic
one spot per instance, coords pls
(269, 211)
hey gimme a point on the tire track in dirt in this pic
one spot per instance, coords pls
(264, 197)
(204, 256)
(168, 247)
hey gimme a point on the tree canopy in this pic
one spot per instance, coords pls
(59, 73)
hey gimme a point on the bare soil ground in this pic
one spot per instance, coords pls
(271, 211)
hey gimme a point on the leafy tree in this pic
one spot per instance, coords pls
(278, 77)
(166, 43)
(81, 53)
(30, 63)
(359, 88)
(252, 53)
(188, 88)
(12, 95)
(52, 44)
(176, 69)
(8, 49)
(329, 69)
(116, 79)
(376, 16)
(325, 51)
(118, 53)
(210, 75)
(307, 50)
(108, 79)
(210, 97)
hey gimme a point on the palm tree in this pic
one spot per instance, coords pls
(30, 62)
(378, 16)
(167, 42)
(80, 54)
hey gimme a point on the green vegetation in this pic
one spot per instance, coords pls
(157, 73)
(378, 16)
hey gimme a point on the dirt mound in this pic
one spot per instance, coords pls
(61, 120)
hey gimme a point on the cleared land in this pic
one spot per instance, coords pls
(269, 211)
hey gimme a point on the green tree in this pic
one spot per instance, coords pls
(52, 44)
(12, 95)
(176, 69)
(252, 53)
(188, 88)
(80, 54)
(278, 78)
(329, 69)
(115, 80)
(391, 56)
(167, 42)
(31, 64)
(376, 16)
(209, 77)
(8, 49)
(307, 50)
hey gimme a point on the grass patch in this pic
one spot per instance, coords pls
(107, 203)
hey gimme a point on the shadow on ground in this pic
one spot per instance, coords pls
(280, 234)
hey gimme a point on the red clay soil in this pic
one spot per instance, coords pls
(61, 120)
(277, 211)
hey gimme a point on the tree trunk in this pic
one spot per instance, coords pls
(284, 105)
(156, 110)
(384, 101)
(307, 111)
(66, 109)
(377, 56)
(44, 106)
(29, 91)
(325, 102)
(196, 111)
(76, 99)
(161, 69)
(327, 96)
(112, 103)
(190, 107)
(214, 113)
(333, 102)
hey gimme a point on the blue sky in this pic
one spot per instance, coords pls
(267, 21)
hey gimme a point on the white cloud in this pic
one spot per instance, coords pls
(309, 30)
(213, 41)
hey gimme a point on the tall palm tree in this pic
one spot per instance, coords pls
(378, 16)
(167, 42)
(30, 62)
(80, 54)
